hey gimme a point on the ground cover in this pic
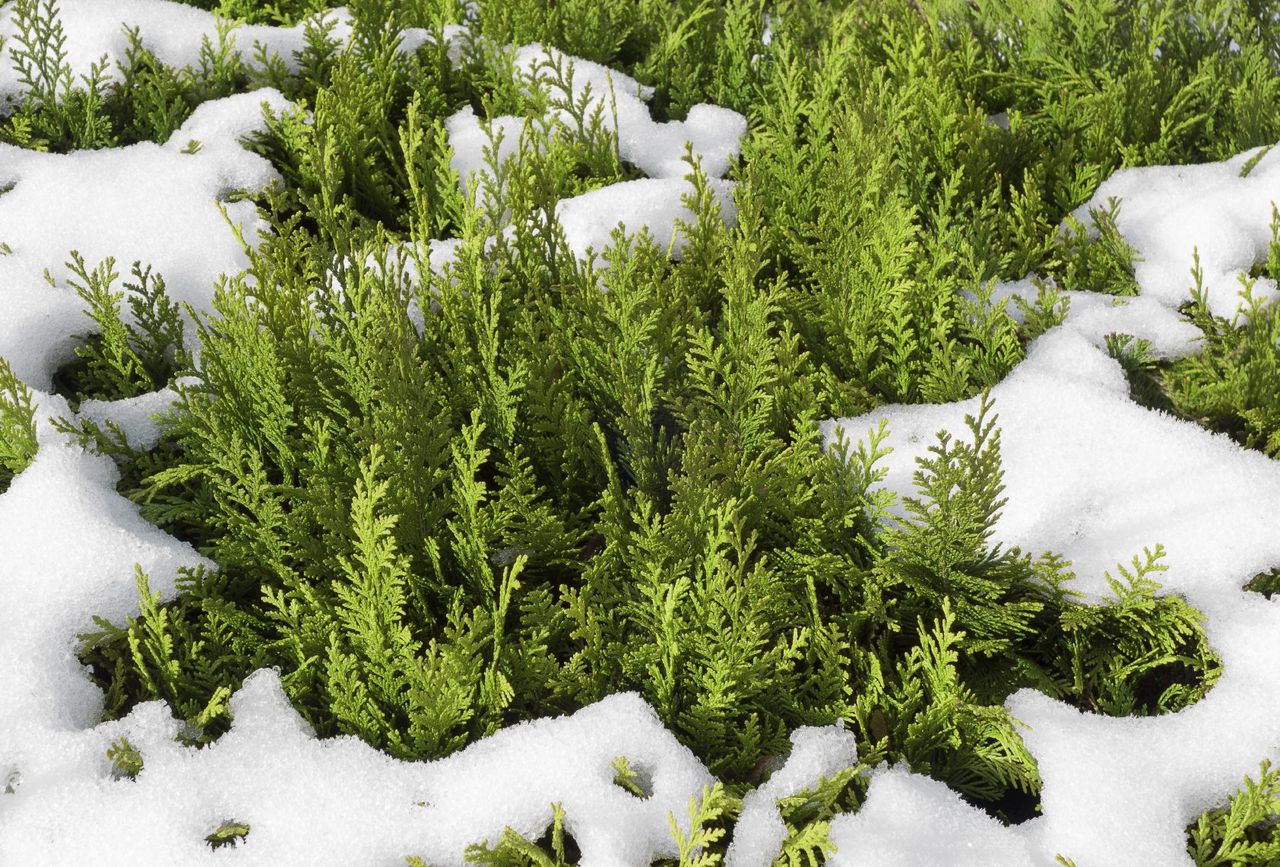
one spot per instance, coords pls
(526, 432)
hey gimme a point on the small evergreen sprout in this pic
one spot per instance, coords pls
(1104, 263)
(1251, 163)
(126, 761)
(17, 425)
(1141, 367)
(1048, 310)
(1244, 832)
(229, 833)
(516, 850)
(1141, 654)
(122, 359)
(808, 813)
(1266, 583)
(1233, 384)
(626, 777)
(709, 819)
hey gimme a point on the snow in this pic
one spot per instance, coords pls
(887, 829)
(146, 202)
(173, 32)
(270, 772)
(650, 204)
(68, 545)
(1095, 477)
(133, 416)
(1088, 474)
(1166, 212)
(1093, 316)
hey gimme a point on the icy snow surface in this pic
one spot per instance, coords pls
(1088, 474)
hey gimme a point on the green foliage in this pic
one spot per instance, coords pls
(1140, 671)
(1244, 831)
(807, 813)
(1146, 372)
(148, 101)
(1267, 583)
(1101, 264)
(1233, 384)
(55, 108)
(515, 850)
(125, 759)
(628, 779)
(123, 357)
(279, 12)
(229, 833)
(17, 425)
(443, 503)
(708, 818)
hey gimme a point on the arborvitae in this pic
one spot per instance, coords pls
(17, 425)
(1243, 831)
(149, 100)
(1233, 383)
(122, 357)
(444, 505)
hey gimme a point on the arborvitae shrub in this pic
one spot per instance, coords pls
(17, 425)
(1244, 830)
(446, 505)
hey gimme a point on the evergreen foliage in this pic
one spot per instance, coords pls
(148, 100)
(445, 503)
(1233, 383)
(1244, 831)
(277, 12)
(125, 759)
(17, 425)
(229, 833)
(123, 356)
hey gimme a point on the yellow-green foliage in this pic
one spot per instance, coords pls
(1233, 384)
(17, 425)
(442, 506)
(1244, 831)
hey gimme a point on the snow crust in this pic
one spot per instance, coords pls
(1088, 474)
(340, 802)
